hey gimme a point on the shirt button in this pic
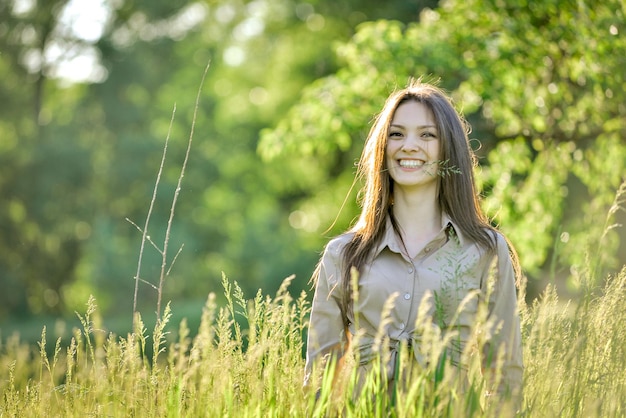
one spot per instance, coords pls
(410, 270)
(407, 296)
(427, 249)
(402, 325)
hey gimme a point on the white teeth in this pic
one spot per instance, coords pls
(411, 163)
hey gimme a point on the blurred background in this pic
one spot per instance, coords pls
(88, 88)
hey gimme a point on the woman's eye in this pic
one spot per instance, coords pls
(395, 134)
(427, 134)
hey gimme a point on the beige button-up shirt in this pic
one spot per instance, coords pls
(450, 274)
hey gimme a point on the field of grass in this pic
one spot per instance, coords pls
(574, 355)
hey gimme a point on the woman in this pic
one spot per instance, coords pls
(423, 247)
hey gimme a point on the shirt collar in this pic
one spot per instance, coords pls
(390, 240)
(447, 223)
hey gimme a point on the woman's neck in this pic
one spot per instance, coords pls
(418, 217)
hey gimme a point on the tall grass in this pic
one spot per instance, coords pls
(245, 360)
(576, 354)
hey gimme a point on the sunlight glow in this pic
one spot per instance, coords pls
(86, 19)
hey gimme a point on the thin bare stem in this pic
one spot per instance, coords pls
(176, 193)
(148, 283)
(174, 260)
(144, 235)
(156, 247)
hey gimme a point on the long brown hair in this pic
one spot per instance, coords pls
(457, 195)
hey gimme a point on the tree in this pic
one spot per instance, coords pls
(73, 173)
(546, 107)
(31, 233)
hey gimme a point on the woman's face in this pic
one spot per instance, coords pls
(413, 146)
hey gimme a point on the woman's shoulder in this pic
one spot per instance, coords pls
(332, 259)
(501, 240)
(503, 248)
(496, 236)
(336, 245)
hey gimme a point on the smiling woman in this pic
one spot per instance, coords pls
(413, 146)
(425, 259)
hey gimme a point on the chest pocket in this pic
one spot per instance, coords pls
(458, 293)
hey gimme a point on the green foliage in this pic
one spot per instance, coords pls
(543, 94)
(531, 204)
(76, 159)
(282, 120)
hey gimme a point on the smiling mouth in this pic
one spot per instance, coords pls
(411, 163)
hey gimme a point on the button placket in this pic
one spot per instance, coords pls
(412, 270)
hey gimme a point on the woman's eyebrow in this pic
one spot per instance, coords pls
(395, 125)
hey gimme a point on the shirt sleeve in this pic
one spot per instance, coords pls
(326, 334)
(504, 323)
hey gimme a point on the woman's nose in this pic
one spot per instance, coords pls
(411, 143)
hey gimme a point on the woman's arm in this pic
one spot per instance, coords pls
(504, 331)
(326, 335)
